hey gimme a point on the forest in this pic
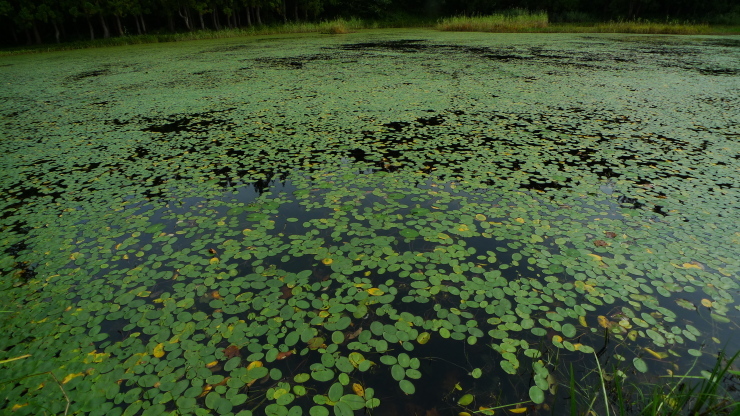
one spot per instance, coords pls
(49, 21)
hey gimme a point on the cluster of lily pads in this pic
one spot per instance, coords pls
(289, 252)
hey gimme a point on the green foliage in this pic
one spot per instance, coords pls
(277, 223)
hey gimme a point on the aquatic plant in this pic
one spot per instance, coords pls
(212, 228)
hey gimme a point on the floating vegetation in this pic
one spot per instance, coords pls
(326, 225)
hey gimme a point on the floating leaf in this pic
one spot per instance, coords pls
(159, 350)
(423, 338)
(466, 400)
(409, 233)
(640, 365)
(536, 394)
(686, 304)
(659, 355)
(407, 386)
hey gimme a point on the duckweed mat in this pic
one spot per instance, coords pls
(385, 222)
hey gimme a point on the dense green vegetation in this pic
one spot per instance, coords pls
(37, 21)
(391, 222)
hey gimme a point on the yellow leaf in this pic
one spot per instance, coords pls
(212, 364)
(582, 321)
(486, 410)
(159, 350)
(518, 410)
(327, 261)
(214, 260)
(595, 256)
(480, 217)
(557, 338)
(375, 291)
(463, 414)
(519, 220)
(457, 386)
(632, 335)
(71, 376)
(254, 364)
(18, 406)
(577, 346)
(656, 354)
(463, 227)
(706, 302)
(603, 322)
(692, 265)
(96, 357)
(358, 389)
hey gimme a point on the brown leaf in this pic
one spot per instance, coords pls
(600, 243)
(284, 355)
(355, 334)
(432, 412)
(610, 234)
(287, 292)
(212, 251)
(232, 351)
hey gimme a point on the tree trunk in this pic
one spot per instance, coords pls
(295, 11)
(92, 30)
(143, 24)
(257, 14)
(56, 31)
(202, 23)
(171, 23)
(36, 34)
(120, 27)
(214, 15)
(285, 13)
(28, 37)
(237, 19)
(106, 32)
(249, 16)
(138, 26)
(185, 18)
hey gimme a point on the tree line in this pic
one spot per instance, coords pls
(38, 21)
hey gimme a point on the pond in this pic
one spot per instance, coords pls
(386, 222)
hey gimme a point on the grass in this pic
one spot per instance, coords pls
(679, 395)
(646, 27)
(515, 21)
(523, 21)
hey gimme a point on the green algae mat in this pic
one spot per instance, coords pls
(388, 222)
